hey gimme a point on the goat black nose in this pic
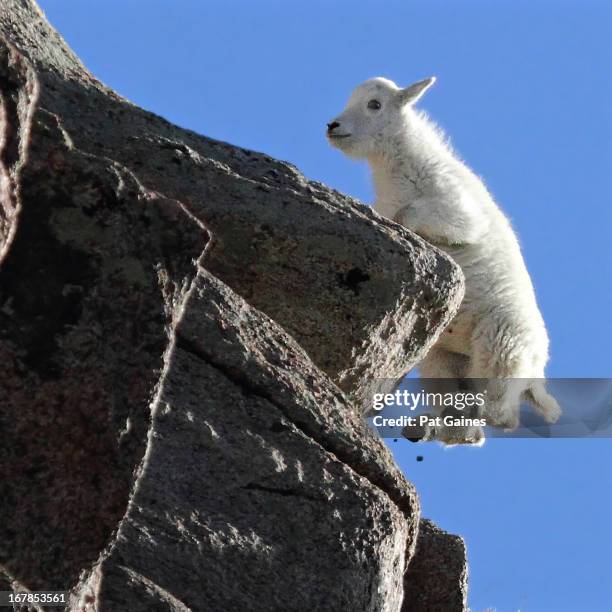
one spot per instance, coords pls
(332, 126)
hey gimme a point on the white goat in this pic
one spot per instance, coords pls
(498, 333)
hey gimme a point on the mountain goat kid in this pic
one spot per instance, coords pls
(498, 333)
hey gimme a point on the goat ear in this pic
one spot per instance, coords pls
(412, 93)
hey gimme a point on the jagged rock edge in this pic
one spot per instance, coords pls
(120, 169)
(178, 342)
(15, 132)
(405, 504)
(255, 390)
(174, 338)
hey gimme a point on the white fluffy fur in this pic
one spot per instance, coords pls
(420, 182)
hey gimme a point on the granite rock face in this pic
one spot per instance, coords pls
(437, 576)
(189, 334)
(362, 295)
(88, 286)
(245, 485)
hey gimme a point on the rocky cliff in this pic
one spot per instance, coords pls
(189, 332)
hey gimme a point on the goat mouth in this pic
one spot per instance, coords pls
(335, 136)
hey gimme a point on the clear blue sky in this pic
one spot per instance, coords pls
(525, 92)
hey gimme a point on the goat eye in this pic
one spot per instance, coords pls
(374, 104)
